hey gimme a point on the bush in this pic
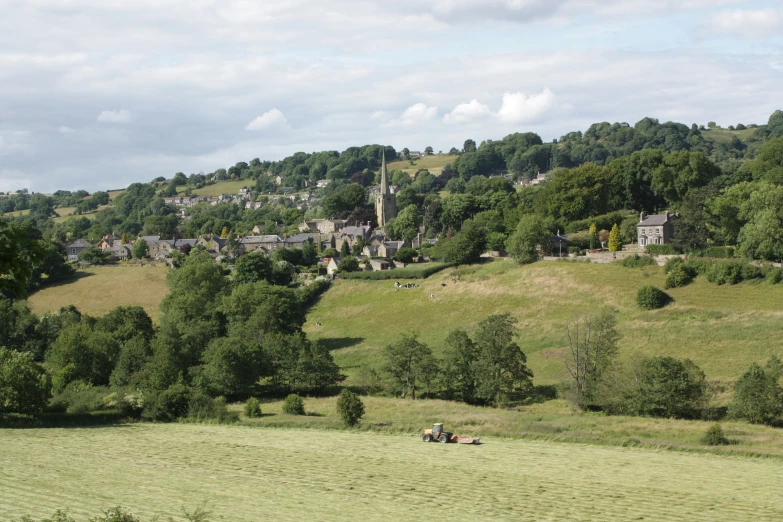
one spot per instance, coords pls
(406, 255)
(252, 408)
(350, 408)
(661, 250)
(725, 272)
(348, 264)
(671, 263)
(637, 261)
(723, 252)
(775, 276)
(679, 276)
(169, 404)
(757, 397)
(651, 298)
(293, 405)
(202, 407)
(715, 436)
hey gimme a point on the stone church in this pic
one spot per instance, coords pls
(385, 201)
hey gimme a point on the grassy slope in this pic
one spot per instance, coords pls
(432, 163)
(100, 289)
(221, 187)
(254, 474)
(722, 329)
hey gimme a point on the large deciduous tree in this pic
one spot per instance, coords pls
(410, 364)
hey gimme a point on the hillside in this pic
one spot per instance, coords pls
(721, 328)
(165, 468)
(434, 164)
(99, 289)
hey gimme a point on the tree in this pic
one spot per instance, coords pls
(350, 408)
(615, 242)
(410, 364)
(428, 151)
(93, 255)
(299, 365)
(529, 240)
(453, 151)
(592, 346)
(406, 154)
(345, 249)
(348, 264)
(251, 268)
(664, 387)
(406, 255)
(464, 247)
(19, 249)
(501, 368)
(458, 367)
(232, 366)
(124, 239)
(593, 236)
(757, 397)
(469, 146)
(24, 385)
(81, 353)
(140, 249)
(180, 179)
(224, 233)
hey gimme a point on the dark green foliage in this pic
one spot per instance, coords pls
(169, 404)
(202, 407)
(293, 405)
(661, 250)
(757, 397)
(652, 298)
(672, 263)
(350, 408)
(603, 222)
(662, 387)
(258, 308)
(715, 436)
(406, 255)
(465, 247)
(126, 322)
(679, 276)
(410, 365)
(459, 375)
(20, 247)
(530, 239)
(723, 252)
(348, 264)
(93, 256)
(82, 353)
(732, 272)
(251, 268)
(775, 276)
(232, 366)
(52, 268)
(24, 385)
(308, 294)
(637, 261)
(134, 354)
(501, 367)
(252, 408)
(140, 249)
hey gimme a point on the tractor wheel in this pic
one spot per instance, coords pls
(426, 437)
(443, 438)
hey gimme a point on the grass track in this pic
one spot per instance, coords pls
(263, 474)
(100, 289)
(723, 329)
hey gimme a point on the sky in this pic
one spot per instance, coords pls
(98, 94)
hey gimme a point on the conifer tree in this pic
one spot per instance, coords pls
(615, 242)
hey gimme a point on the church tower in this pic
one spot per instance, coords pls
(385, 202)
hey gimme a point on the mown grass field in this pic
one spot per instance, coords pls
(432, 163)
(721, 328)
(246, 474)
(221, 187)
(100, 289)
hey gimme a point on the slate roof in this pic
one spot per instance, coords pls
(79, 243)
(261, 239)
(654, 220)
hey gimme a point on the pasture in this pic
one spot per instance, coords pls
(721, 328)
(221, 187)
(97, 290)
(249, 474)
(432, 163)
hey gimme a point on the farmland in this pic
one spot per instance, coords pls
(99, 289)
(241, 473)
(433, 163)
(221, 187)
(721, 328)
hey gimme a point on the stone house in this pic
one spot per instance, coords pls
(387, 249)
(266, 243)
(118, 252)
(656, 229)
(380, 264)
(212, 243)
(74, 249)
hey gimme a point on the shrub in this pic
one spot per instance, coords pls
(671, 263)
(714, 436)
(775, 276)
(723, 252)
(350, 408)
(202, 407)
(252, 408)
(637, 261)
(725, 272)
(406, 255)
(757, 397)
(679, 276)
(661, 250)
(168, 405)
(651, 298)
(293, 405)
(348, 264)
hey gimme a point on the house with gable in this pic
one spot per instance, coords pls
(74, 249)
(656, 229)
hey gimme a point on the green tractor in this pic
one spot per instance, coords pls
(437, 434)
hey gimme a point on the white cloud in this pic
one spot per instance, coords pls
(13, 141)
(518, 107)
(64, 129)
(467, 112)
(415, 114)
(269, 120)
(748, 23)
(115, 116)
(379, 115)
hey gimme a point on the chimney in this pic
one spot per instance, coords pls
(667, 215)
(641, 216)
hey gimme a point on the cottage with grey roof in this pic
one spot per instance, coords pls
(656, 229)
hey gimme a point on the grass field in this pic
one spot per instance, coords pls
(100, 289)
(245, 474)
(432, 163)
(722, 328)
(17, 213)
(221, 187)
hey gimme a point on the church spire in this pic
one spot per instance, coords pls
(384, 180)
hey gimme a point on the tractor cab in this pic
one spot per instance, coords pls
(437, 429)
